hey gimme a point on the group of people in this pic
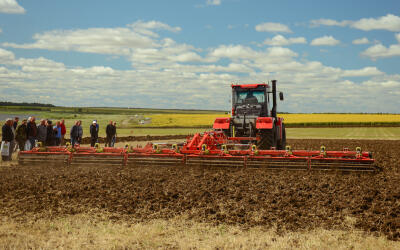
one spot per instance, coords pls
(77, 133)
(25, 135)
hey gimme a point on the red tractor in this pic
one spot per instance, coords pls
(253, 120)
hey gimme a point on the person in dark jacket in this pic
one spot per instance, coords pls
(31, 131)
(50, 137)
(21, 135)
(7, 136)
(114, 132)
(74, 134)
(109, 134)
(15, 123)
(42, 132)
(94, 133)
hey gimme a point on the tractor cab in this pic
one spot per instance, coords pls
(250, 100)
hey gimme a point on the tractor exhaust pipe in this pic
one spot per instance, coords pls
(273, 111)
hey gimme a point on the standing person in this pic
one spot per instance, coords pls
(50, 137)
(63, 132)
(15, 123)
(7, 138)
(31, 131)
(109, 134)
(114, 138)
(74, 134)
(80, 132)
(94, 133)
(14, 128)
(21, 135)
(42, 132)
(57, 132)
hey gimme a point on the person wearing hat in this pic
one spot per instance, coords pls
(94, 133)
(7, 138)
(21, 135)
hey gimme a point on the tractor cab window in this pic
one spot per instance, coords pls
(250, 97)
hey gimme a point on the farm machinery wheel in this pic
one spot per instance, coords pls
(267, 139)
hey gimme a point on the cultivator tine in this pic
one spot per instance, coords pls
(40, 158)
(215, 161)
(97, 159)
(154, 160)
(278, 163)
(342, 165)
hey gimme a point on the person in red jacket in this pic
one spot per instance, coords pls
(63, 131)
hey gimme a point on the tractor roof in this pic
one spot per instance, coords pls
(249, 86)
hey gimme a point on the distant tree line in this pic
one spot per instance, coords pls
(33, 104)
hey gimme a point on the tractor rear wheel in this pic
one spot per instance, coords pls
(282, 141)
(267, 139)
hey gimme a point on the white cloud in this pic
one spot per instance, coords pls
(116, 41)
(328, 22)
(11, 7)
(325, 41)
(389, 22)
(6, 56)
(367, 71)
(1, 30)
(280, 40)
(273, 27)
(169, 74)
(213, 2)
(380, 51)
(363, 40)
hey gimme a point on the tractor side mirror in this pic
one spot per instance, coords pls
(281, 96)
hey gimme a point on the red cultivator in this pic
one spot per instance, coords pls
(253, 137)
(209, 149)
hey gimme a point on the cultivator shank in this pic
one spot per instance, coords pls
(209, 149)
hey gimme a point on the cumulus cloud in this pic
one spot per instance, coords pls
(367, 71)
(11, 7)
(325, 41)
(389, 22)
(213, 2)
(116, 41)
(363, 40)
(169, 74)
(272, 27)
(380, 51)
(280, 40)
(6, 56)
(328, 22)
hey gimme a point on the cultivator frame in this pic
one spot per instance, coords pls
(208, 149)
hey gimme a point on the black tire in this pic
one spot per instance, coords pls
(282, 142)
(267, 139)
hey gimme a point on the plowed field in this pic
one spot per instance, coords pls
(287, 200)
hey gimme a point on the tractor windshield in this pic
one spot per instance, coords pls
(250, 96)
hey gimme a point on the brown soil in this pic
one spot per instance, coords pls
(289, 200)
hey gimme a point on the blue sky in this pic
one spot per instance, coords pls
(328, 56)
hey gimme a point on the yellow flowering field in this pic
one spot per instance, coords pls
(206, 120)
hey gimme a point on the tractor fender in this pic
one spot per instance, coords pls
(222, 123)
(265, 122)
